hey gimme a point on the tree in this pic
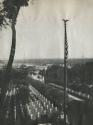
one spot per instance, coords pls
(9, 10)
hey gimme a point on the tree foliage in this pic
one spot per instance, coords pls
(9, 10)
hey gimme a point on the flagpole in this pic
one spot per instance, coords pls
(65, 66)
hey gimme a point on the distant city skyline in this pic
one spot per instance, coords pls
(40, 30)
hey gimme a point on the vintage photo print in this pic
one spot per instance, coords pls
(46, 62)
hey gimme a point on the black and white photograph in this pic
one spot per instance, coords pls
(46, 62)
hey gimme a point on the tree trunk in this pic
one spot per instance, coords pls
(12, 54)
(7, 76)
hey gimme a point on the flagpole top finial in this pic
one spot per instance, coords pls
(65, 20)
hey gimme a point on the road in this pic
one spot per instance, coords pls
(71, 96)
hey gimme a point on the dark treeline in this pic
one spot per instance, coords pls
(79, 73)
(80, 76)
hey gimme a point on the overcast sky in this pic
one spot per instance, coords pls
(40, 30)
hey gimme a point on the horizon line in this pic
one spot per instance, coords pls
(47, 58)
